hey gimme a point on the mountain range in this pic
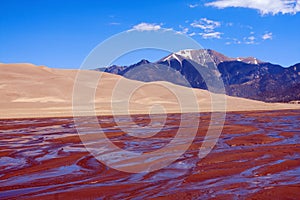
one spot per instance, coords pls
(242, 77)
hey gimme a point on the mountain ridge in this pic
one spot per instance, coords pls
(242, 77)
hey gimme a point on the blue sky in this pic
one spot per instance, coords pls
(60, 34)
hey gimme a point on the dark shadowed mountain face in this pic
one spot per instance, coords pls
(242, 77)
(265, 81)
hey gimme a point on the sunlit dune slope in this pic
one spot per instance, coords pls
(36, 91)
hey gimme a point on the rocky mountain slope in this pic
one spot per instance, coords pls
(242, 77)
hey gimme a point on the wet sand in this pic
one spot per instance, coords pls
(256, 157)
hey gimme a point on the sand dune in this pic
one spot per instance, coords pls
(37, 91)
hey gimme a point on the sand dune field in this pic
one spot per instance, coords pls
(38, 91)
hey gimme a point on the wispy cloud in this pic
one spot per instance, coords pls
(114, 23)
(267, 36)
(183, 30)
(206, 25)
(155, 27)
(146, 27)
(233, 41)
(193, 5)
(264, 6)
(229, 24)
(212, 35)
(250, 40)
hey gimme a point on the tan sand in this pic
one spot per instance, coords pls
(37, 91)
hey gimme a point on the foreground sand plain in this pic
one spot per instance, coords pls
(30, 91)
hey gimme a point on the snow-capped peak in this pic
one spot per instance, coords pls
(203, 56)
(187, 53)
(199, 56)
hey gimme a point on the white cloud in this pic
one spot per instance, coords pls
(252, 38)
(267, 36)
(249, 40)
(193, 5)
(297, 7)
(155, 27)
(264, 6)
(146, 27)
(206, 24)
(184, 31)
(212, 35)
